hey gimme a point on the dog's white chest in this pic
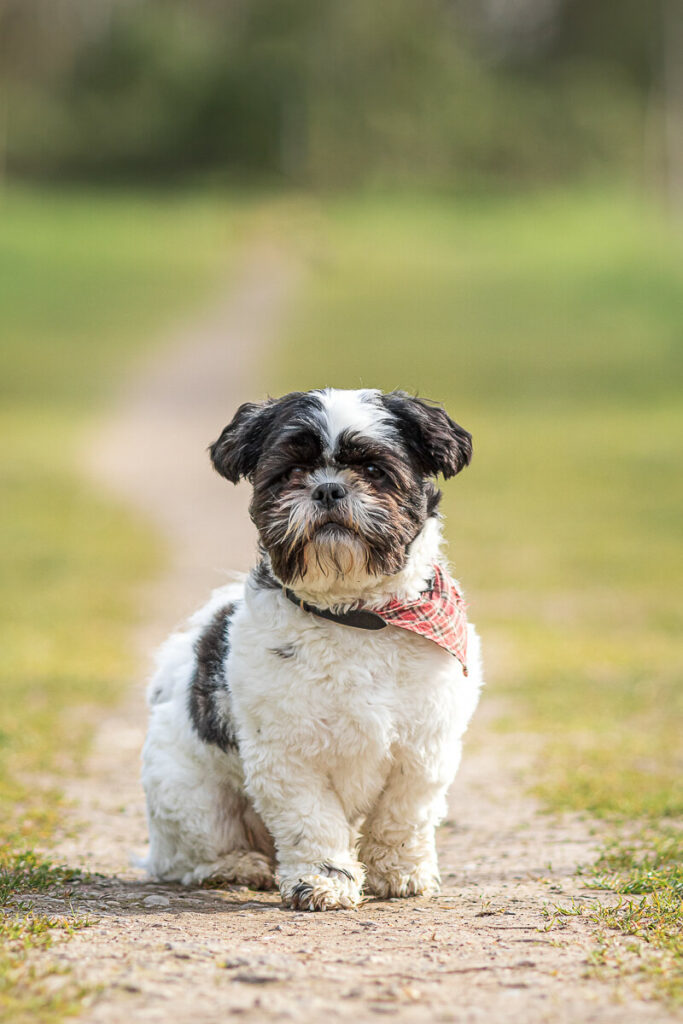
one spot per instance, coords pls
(344, 692)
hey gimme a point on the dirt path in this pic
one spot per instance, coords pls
(478, 952)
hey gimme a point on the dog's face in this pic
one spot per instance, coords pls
(342, 479)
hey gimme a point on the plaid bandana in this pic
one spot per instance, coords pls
(438, 614)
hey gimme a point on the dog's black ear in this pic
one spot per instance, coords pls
(236, 452)
(437, 443)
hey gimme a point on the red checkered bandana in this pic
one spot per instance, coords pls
(438, 614)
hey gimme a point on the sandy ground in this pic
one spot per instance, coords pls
(478, 952)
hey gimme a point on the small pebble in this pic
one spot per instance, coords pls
(156, 901)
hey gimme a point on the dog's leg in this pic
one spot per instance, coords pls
(201, 825)
(253, 866)
(317, 868)
(398, 838)
(241, 867)
(220, 846)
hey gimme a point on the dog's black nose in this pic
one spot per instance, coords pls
(327, 494)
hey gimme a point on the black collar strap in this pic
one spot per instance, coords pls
(359, 618)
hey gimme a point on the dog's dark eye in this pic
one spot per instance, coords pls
(374, 471)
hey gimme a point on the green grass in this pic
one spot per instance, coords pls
(648, 875)
(86, 283)
(87, 279)
(640, 934)
(27, 988)
(551, 328)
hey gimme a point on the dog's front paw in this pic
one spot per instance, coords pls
(328, 887)
(396, 880)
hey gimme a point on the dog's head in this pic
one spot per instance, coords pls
(342, 479)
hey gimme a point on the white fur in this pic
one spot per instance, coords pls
(346, 750)
(353, 410)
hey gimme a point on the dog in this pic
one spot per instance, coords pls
(307, 724)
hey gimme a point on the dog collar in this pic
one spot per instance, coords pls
(359, 618)
(438, 615)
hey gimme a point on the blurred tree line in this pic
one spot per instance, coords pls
(335, 92)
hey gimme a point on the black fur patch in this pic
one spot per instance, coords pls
(283, 652)
(433, 499)
(209, 696)
(301, 894)
(436, 442)
(261, 574)
(327, 868)
(257, 427)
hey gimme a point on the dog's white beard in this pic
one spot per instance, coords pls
(331, 557)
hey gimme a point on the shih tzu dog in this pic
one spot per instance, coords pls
(307, 725)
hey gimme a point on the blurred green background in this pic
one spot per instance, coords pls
(467, 93)
(486, 199)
